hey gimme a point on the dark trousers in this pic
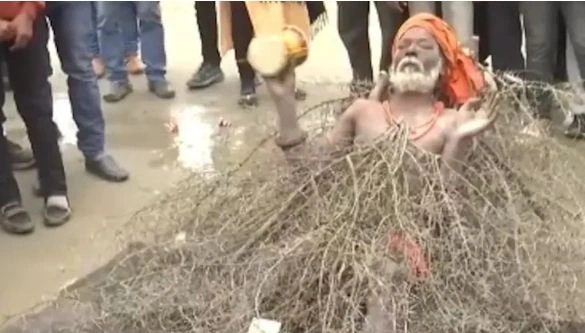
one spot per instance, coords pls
(72, 36)
(497, 23)
(500, 34)
(541, 21)
(29, 70)
(242, 33)
(353, 27)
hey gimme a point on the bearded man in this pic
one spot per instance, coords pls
(430, 77)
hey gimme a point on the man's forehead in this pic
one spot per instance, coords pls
(417, 33)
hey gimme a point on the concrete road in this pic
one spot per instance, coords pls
(34, 267)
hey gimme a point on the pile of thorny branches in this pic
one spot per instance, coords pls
(504, 242)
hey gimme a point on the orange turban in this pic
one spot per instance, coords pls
(463, 79)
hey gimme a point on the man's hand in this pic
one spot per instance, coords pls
(473, 120)
(380, 91)
(7, 31)
(23, 27)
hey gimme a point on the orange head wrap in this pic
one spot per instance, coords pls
(462, 78)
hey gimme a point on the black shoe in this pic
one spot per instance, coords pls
(206, 76)
(162, 89)
(107, 169)
(21, 159)
(118, 91)
(15, 219)
(300, 94)
(248, 94)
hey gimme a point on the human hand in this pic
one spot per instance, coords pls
(6, 31)
(473, 119)
(23, 31)
(380, 90)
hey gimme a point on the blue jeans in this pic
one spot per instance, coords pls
(152, 39)
(72, 37)
(129, 30)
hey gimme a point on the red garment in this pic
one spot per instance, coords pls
(10, 9)
(463, 78)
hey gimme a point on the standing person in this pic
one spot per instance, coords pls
(24, 35)
(353, 18)
(459, 14)
(129, 29)
(210, 73)
(282, 35)
(503, 34)
(152, 41)
(541, 23)
(72, 36)
(498, 24)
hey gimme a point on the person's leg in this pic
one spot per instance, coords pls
(561, 72)
(68, 20)
(459, 14)
(242, 33)
(152, 39)
(5, 78)
(573, 16)
(29, 73)
(112, 48)
(505, 35)
(129, 29)
(95, 46)
(390, 21)
(209, 73)
(353, 18)
(540, 24)
(417, 7)
(480, 29)
(13, 218)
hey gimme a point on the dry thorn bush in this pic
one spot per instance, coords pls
(310, 249)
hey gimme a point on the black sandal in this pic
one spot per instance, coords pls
(15, 219)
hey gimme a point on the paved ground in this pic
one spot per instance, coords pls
(36, 266)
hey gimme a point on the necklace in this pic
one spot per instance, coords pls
(417, 132)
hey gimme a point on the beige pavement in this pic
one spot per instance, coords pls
(34, 267)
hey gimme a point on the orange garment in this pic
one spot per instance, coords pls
(463, 79)
(10, 9)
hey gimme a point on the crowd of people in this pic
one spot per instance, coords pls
(127, 37)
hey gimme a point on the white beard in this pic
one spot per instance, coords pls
(411, 80)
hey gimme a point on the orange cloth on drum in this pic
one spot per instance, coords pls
(463, 79)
